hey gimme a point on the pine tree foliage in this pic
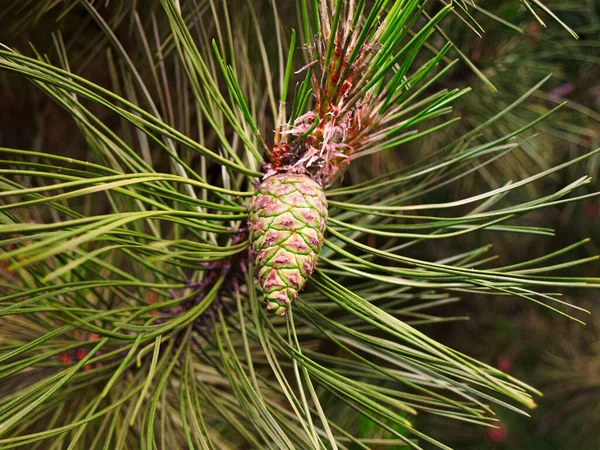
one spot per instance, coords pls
(131, 315)
(526, 54)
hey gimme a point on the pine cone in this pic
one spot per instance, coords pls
(286, 222)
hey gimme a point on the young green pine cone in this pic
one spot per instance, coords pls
(286, 222)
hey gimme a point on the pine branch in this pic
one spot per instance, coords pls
(130, 316)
